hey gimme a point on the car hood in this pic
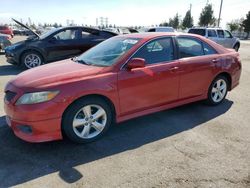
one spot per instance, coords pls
(53, 74)
(19, 23)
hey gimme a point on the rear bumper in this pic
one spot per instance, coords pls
(236, 77)
(40, 131)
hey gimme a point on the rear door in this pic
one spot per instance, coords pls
(63, 44)
(197, 63)
(212, 35)
(155, 84)
(221, 38)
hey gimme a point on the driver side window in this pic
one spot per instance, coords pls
(157, 51)
(68, 34)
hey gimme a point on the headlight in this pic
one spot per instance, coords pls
(37, 97)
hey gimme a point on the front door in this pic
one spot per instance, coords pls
(63, 44)
(153, 85)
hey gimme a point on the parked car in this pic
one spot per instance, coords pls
(57, 44)
(17, 31)
(4, 41)
(218, 35)
(161, 29)
(121, 30)
(4, 29)
(121, 78)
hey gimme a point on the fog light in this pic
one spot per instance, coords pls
(25, 129)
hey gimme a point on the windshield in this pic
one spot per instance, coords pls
(107, 52)
(48, 33)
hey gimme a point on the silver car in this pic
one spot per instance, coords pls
(4, 41)
(218, 35)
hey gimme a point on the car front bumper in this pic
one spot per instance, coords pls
(33, 123)
(39, 131)
(11, 57)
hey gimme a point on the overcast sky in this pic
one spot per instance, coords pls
(119, 12)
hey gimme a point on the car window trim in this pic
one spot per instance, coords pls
(161, 37)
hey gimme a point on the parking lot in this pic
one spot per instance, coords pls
(190, 146)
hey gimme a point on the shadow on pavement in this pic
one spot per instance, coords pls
(9, 70)
(21, 162)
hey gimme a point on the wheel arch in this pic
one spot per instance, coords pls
(227, 76)
(103, 97)
(31, 50)
(236, 43)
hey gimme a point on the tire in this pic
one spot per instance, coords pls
(236, 47)
(31, 59)
(219, 88)
(79, 123)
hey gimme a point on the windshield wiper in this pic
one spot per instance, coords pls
(79, 61)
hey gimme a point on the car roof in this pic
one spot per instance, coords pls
(151, 35)
(83, 27)
(206, 28)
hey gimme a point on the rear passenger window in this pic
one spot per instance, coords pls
(189, 47)
(220, 33)
(208, 50)
(211, 33)
(157, 51)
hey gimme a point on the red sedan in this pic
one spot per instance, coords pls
(6, 30)
(119, 79)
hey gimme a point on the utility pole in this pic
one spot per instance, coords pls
(220, 13)
(190, 8)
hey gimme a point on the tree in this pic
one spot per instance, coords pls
(234, 25)
(207, 16)
(246, 24)
(165, 24)
(188, 20)
(175, 21)
(55, 25)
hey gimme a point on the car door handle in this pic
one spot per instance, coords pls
(215, 61)
(174, 69)
(98, 40)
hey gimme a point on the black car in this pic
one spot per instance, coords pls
(57, 44)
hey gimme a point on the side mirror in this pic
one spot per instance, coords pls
(136, 63)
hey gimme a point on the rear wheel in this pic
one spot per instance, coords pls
(31, 59)
(217, 90)
(87, 120)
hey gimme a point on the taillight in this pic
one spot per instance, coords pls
(237, 59)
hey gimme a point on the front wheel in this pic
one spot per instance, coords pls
(217, 90)
(87, 120)
(236, 47)
(31, 59)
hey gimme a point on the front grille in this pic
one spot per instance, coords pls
(9, 95)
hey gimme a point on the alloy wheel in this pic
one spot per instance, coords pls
(32, 60)
(89, 121)
(219, 90)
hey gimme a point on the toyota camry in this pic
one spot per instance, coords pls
(121, 78)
